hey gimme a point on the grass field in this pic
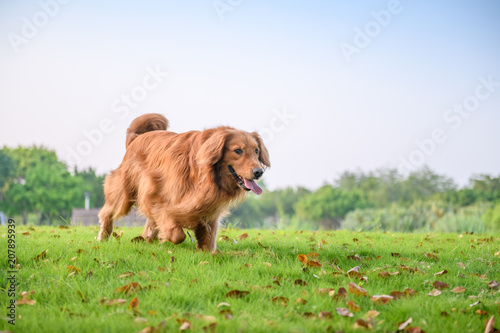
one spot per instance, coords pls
(258, 281)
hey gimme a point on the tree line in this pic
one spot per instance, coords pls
(37, 187)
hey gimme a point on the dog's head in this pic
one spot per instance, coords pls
(239, 157)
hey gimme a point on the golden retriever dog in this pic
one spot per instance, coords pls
(187, 180)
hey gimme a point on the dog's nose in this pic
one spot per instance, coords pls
(257, 172)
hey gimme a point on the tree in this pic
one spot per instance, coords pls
(328, 205)
(39, 184)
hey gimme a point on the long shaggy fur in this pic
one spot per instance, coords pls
(181, 180)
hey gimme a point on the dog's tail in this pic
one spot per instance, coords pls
(145, 123)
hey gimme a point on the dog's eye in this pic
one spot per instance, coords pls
(238, 151)
(256, 151)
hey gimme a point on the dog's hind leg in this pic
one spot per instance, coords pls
(117, 204)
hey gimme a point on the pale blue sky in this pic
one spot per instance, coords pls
(426, 57)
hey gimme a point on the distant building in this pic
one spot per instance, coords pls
(81, 216)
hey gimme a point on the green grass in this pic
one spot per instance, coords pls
(176, 287)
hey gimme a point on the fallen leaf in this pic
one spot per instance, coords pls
(300, 301)
(243, 236)
(384, 274)
(325, 291)
(112, 302)
(440, 285)
(134, 303)
(282, 300)
(458, 290)
(126, 274)
(395, 254)
(237, 293)
(267, 264)
(371, 314)
(488, 326)
(414, 330)
(341, 294)
(41, 255)
(223, 304)
(25, 298)
(325, 315)
(357, 290)
(300, 282)
(431, 256)
(138, 239)
(204, 263)
(246, 266)
(381, 299)
(493, 285)
(185, 326)
(482, 312)
(442, 272)
(129, 288)
(344, 312)
(353, 306)
(403, 325)
(365, 324)
(434, 292)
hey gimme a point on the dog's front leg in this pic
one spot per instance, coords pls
(206, 235)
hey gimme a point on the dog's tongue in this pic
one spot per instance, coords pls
(252, 185)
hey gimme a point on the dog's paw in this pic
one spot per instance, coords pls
(102, 236)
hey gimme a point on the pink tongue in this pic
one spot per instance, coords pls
(252, 185)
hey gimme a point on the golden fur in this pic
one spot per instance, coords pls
(181, 180)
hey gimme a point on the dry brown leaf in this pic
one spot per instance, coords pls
(243, 236)
(325, 315)
(325, 291)
(344, 312)
(25, 298)
(341, 294)
(112, 302)
(493, 285)
(381, 299)
(300, 282)
(300, 301)
(223, 304)
(138, 239)
(414, 330)
(237, 293)
(440, 285)
(267, 264)
(129, 288)
(126, 274)
(246, 266)
(365, 324)
(403, 325)
(383, 274)
(482, 312)
(497, 254)
(283, 300)
(442, 272)
(41, 255)
(458, 290)
(431, 256)
(185, 326)
(134, 303)
(357, 290)
(371, 314)
(434, 292)
(353, 306)
(489, 325)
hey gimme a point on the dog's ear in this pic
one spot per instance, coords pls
(212, 149)
(263, 153)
